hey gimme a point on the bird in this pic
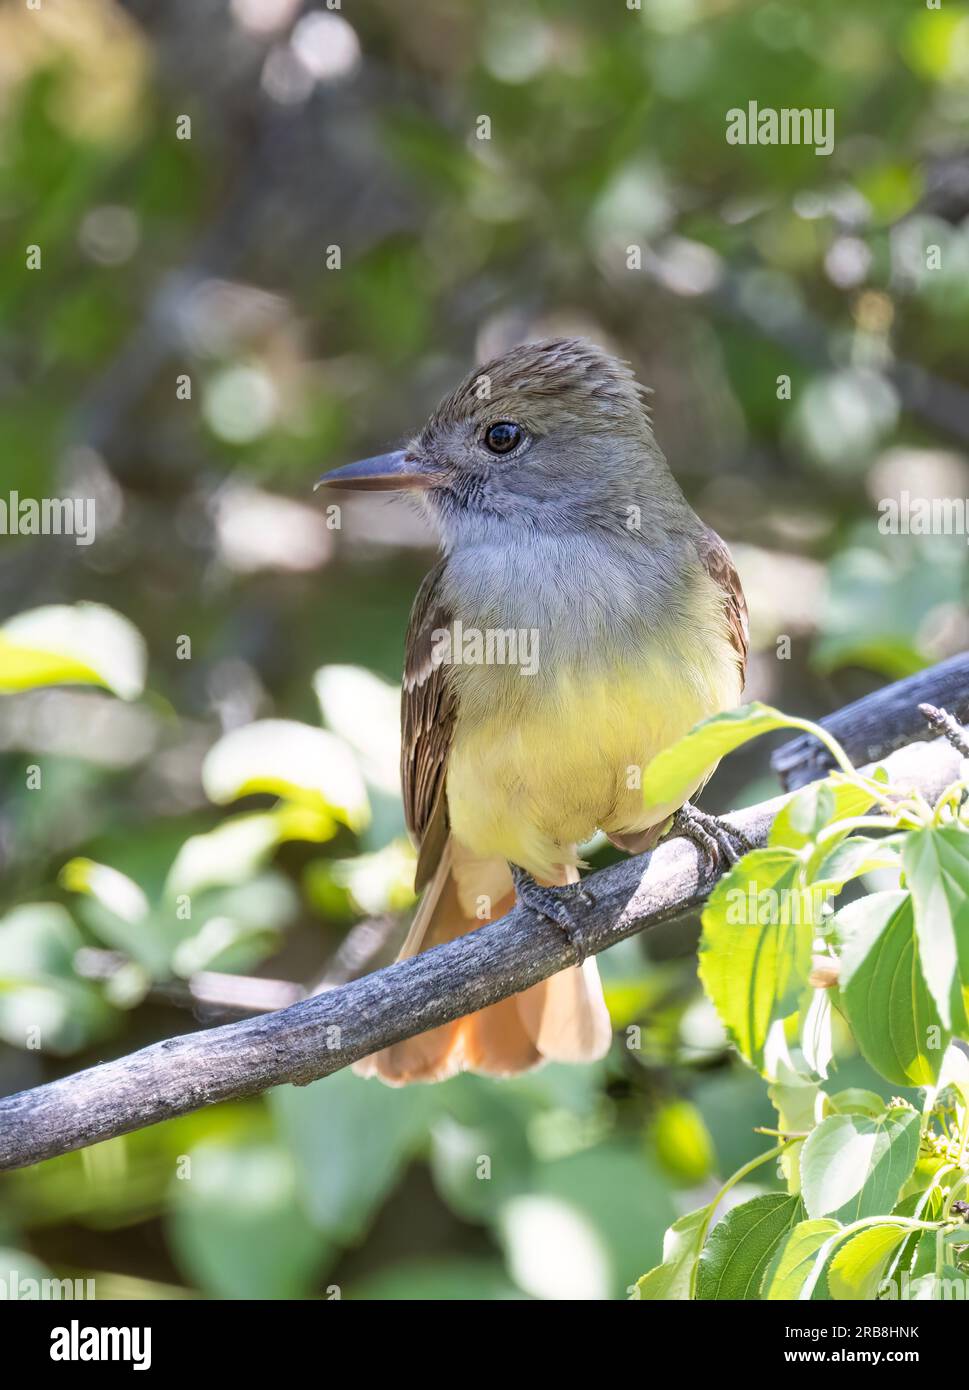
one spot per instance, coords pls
(580, 620)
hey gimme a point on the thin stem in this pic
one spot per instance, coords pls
(842, 827)
(830, 743)
(908, 1223)
(782, 1133)
(954, 792)
(957, 1186)
(740, 1174)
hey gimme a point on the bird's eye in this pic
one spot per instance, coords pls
(503, 437)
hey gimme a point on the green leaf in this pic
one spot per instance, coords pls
(954, 1074)
(290, 760)
(926, 1204)
(375, 883)
(674, 775)
(855, 1100)
(364, 711)
(858, 1268)
(114, 890)
(795, 1097)
(817, 1042)
(117, 911)
(802, 818)
(883, 991)
(236, 1227)
(753, 971)
(682, 1142)
(742, 1245)
(854, 1166)
(794, 1259)
(224, 944)
(936, 862)
(329, 1124)
(238, 848)
(814, 808)
(81, 643)
(854, 856)
(673, 1279)
(42, 1001)
(481, 1119)
(579, 1232)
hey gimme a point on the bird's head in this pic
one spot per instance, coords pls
(551, 434)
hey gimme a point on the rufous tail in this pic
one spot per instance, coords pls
(562, 1019)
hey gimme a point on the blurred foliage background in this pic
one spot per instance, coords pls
(270, 239)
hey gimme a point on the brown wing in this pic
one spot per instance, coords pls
(715, 558)
(427, 720)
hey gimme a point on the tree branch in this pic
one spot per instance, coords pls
(874, 726)
(320, 1035)
(208, 993)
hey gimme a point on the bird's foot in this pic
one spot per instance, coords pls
(555, 905)
(718, 842)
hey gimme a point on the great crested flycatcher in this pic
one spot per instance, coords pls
(582, 619)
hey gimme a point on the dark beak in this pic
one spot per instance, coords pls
(399, 471)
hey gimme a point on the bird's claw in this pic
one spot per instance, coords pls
(555, 906)
(717, 841)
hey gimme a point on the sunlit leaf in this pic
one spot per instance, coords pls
(859, 1266)
(289, 760)
(855, 1100)
(742, 1245)
(118, 912)
(682, 1243)
(240, 846)
(375, 883)
(816, 1037)
(81, 643)
(113, 890)
(364, 711)
(794, 1259)
(854, 856)
(755, 952)
(884, 994)
(816, 806)
(936, 861)
(854, 1166)
(674, 774)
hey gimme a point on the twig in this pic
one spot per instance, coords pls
(941, 722)
(359, 948)
(329, 1031)
(210, 993)
(206, 991)
(877, 724)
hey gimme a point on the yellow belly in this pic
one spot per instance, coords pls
(532, 775)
